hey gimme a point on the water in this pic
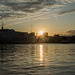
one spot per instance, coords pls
(37, 59)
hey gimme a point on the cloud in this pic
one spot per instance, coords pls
(71, 32)
(28, 6)
(22, 8)
(65, 12)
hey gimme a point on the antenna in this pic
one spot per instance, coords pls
(2, 25)
(31, 28)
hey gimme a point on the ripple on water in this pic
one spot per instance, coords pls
(37, 59)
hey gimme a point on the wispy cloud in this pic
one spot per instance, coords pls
(65, 12)
(33, 8)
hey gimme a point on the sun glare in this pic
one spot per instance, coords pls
(41, 32)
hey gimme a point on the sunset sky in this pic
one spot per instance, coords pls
(52, 16)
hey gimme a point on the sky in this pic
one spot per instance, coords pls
(52, 16)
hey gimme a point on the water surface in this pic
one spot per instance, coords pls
(37, 59)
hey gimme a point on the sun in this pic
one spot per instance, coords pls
(41, 33)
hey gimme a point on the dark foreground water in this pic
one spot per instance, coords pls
(37, 59)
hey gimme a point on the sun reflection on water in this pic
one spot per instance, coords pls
(41, 52)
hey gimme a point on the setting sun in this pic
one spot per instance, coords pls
(41, 32)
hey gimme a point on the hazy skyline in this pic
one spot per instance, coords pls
(52, 16)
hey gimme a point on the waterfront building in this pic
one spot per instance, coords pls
(12, 36)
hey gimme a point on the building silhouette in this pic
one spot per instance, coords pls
(11, 36)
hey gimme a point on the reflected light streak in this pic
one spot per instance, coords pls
(41, 52)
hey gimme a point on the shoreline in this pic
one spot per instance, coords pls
(38, 43)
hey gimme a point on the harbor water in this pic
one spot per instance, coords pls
(37, 59)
